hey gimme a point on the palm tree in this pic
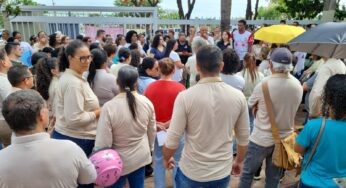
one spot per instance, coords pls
(248, 14)
(226, 6)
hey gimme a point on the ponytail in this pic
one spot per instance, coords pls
(67, 51)
(44, 75)
(131, 101)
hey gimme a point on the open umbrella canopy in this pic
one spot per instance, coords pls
(327, 40)
(280, 34)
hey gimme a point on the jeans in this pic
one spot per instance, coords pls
(182, 181)
(159, 170)
(254, 158)
(136, 179)
(86, 145)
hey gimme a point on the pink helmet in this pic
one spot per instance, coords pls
(109, 167)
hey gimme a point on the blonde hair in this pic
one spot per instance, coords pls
(166, 66)
(250, 65)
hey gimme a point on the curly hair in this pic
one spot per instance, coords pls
(334, 97)
(44, 75)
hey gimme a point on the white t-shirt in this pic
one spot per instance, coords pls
(210, 40)
(300, 61)
(191, 67)
(178, 75)
(235, 81)
(241, 42)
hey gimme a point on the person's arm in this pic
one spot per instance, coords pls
(175, 132)
(315, 98)
(74, 107)
(104, 133)
(86, 170)
(303, 141)
(242, 133)
(179, 64)
(250, 43)
(151, 132)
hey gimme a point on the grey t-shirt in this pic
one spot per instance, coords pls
(235, 81)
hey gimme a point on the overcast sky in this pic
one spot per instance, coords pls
(203, 8)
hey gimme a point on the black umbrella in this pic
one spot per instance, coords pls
(327, 40)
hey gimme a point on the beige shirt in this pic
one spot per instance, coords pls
(75, 106)
(249, 84)
(116, 67)
(5, 90)
(105, 86)
(286, 94)
(330, 68)
(40, 162)
(207, 114)
(51, 102)
(133, 139)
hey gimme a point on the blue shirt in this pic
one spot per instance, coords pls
(329, 160)
(143, 83)
(157, 53)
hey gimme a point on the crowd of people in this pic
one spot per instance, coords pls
(193, 104)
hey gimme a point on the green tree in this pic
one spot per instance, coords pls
(136, 3)
(270, 13)
(299, 9)
(168, 14)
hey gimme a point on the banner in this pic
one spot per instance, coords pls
(91, 31)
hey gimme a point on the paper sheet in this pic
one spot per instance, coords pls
(161, 137)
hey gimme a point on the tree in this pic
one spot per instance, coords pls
(190, 6)
(226, 6)
(136, 3)
(270, 13)
(300, 9)
(248, 14)
(256, 10)
(168, 14)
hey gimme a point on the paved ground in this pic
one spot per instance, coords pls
(287, 181)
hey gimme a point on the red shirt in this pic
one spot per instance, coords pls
(162, 94)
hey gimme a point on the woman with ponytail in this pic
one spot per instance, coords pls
(124, 60)
(101, 82)
(127, 124)
(148, 73)
(47, 82)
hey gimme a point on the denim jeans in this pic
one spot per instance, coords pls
(86, 145)
(136, 179)
(254, 158)
(159, 170)
(181, 181)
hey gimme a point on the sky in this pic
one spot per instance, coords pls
(202, 9)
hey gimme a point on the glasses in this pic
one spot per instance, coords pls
(84, 59)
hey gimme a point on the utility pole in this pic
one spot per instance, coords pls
(328, 10)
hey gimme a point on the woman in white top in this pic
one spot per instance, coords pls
(124, 60)
(77, 107)
(47, 77)
(231, 65)
(172, 45)
(101, 82)
(127, 124)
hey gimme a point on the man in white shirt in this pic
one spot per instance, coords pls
(203, 34)
(242, 40)
(34, 159)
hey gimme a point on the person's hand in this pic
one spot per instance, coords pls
(237, 168)
(169, 164)
(161, 126)
(97, 113)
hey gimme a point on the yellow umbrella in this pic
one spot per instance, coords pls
(281, 34)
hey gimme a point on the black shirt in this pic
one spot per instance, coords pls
(184, 48)
(222, 45)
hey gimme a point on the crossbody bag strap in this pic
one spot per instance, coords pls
(269, 106)
(316, 143)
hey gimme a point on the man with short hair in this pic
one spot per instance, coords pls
(171, 33)
(34, 159)
(101, 37)
(5, 35)
(203, 34)
(20, 77)
(242, 40)
(14, 52)
(286, 94)
(208, 124)
(17, 35)
(184, 49)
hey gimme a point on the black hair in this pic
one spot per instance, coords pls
(147, 63)
(10, 46)
(44, 75)
(94, 45)
(135, 58)
(14, 33)
(169, 47)
(156, 41)
(133, 46)
(17, 73)
(166, 37)
(85, 39)
(129, 35)
(124, 54)
(110, 49)
(35, 58)
(47, 50)
(99, 32)
(334, 97)
(79, 37)
(127, 81)
(296, 22)
(242, 21)
(32, 37)
(69, 50)
(52, 40)
(283, 21)
(209, 59)
(56, 52)
(231, 61)
(21, 109)
(117, 41)
(99, 58)
(158, 32)
(3, 54)
(10, 40)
